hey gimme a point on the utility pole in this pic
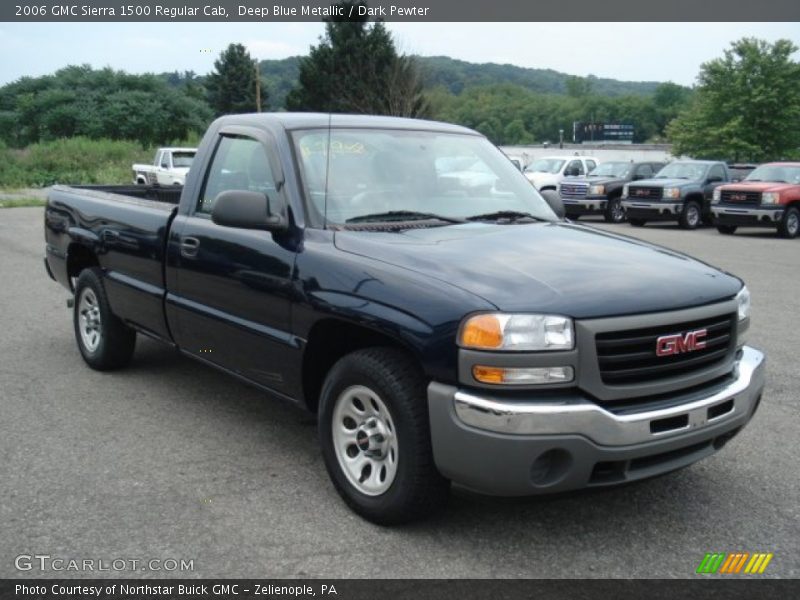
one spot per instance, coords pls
(258, 87)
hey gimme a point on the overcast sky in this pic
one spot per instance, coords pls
(627, 51)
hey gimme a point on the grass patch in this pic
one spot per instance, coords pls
(17, 202)
(74, 161)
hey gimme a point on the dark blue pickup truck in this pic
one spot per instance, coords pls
(404, 282)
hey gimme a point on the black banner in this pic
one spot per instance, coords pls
(399, 10)
(414, 589)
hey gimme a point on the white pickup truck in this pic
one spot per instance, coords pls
(169, 167)
(547, 172)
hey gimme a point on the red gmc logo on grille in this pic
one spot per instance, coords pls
(738, 197)
(641, 192)
(678, 343)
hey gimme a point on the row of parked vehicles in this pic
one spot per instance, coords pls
(691, 192)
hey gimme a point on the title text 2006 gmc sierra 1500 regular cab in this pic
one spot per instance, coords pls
(440, 331)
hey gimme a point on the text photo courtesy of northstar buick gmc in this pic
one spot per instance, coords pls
(441, 331)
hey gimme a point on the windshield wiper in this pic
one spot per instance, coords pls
(401, 215)
(510, 215)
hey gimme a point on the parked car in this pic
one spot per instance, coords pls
(740, 171)
(768, 197)
(680, 192)
(546, 173)
(437, 336)
(600, 192)
(169, 167)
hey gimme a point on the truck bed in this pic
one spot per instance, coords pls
(125, 227)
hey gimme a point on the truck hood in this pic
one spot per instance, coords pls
(663, 183)
(559, 268)
(759, 186)
(593, 180)
(542, 179)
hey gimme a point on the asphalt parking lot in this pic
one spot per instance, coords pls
(170, 459)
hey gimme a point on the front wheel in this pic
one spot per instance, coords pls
(789, 226)
(105, 342)
(726, 229)
(375, 437)
(691, 217)
(614, 211)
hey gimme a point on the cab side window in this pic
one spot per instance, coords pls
(573, 166)
(644, 171)
(717, 172)
(590, 165)
(239, 163)
(165, 160)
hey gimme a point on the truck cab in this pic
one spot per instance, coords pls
(547, 172)
(681, 192)
(768, 197)
(169, 167)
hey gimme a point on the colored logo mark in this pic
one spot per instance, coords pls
(735, 563)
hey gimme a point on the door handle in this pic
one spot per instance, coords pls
(110, 235)
(189, 246)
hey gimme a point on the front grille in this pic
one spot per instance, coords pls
(741, 198)
(574, 190)
(629, 357)
(645, 193)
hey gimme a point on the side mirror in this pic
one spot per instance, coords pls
(714, 179)
(246, 210)
(553, 198)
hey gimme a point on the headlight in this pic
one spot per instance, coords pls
(625, 191)
(743, 303)
(770, 198)
(672, 192)
(715, 198)
(597, 190)
(495, 331)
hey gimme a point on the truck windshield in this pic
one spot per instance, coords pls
(682, 170)
(545, 165)
(776, 174)
(611, 169)
(182, 159)
(375, 175)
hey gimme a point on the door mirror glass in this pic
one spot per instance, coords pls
(246, 210)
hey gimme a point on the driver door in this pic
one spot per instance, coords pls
(232, 291)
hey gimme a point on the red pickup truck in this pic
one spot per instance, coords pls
(768, 197)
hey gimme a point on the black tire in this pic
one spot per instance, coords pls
(637, 222)
(727, 229)
(418, 490)
(692, 215)
(614, 212)
(789, 226)
(115, 340)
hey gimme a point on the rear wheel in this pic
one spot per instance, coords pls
(726, 229)
(691, 217)
(614, 211)
(104, 341)
(375, 437)
(789, 226)
(638, 222)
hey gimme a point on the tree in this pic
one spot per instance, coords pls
(356, 68)
(578, 87)
(746, 106)
(232, 84)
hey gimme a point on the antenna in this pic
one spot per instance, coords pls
(327, 173)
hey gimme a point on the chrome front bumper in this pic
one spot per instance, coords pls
(772, 215)
(590, 204)
(666, 208)
(580, 416)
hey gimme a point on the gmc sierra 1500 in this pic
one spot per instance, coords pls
(440, 330)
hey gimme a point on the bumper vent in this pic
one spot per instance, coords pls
(629, 357)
